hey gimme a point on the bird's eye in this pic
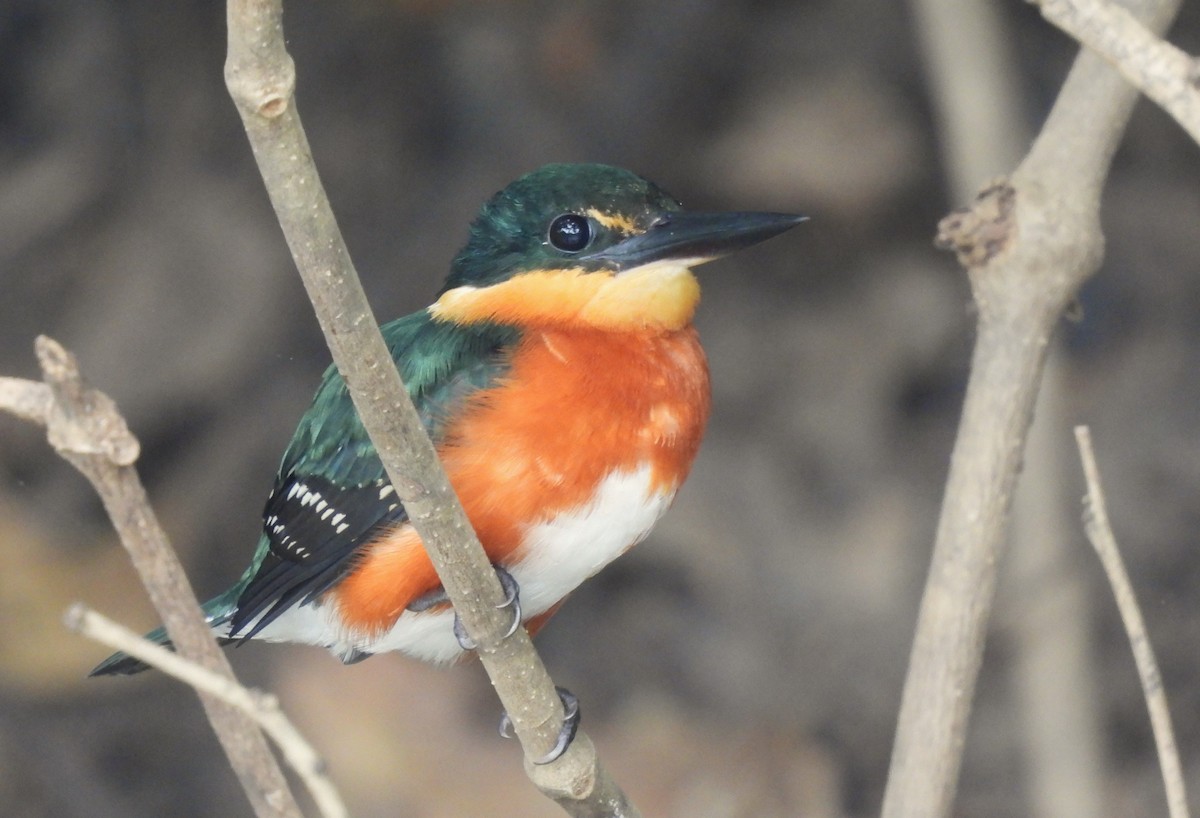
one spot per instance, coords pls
(570, 233)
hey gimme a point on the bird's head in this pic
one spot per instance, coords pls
(590, 246)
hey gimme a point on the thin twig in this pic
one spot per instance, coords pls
(261, 707)
(85, 428)
(1100, 534)
(1161, 71)
(261, 79)
(27, 400)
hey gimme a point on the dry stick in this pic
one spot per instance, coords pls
(1028, 243)
(261, 707)
(1100, 534)
(261, 79)
(1166, 74)
(27, 400)
(86, 429)
(968, 54)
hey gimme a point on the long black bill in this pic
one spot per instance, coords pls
(699, 236)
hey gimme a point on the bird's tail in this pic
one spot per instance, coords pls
(217, 612)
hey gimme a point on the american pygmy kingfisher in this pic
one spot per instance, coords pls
(565, 389)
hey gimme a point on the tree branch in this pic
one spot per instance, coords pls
(1100, 534)
(261, 79)
(1028, 243)
(1158, 69)
(973, 78)
(86, 429)
(261, 707)
(28, 400)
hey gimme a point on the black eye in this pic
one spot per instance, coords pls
(570, 233)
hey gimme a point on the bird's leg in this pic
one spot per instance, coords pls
(566, 734)
(512, 599)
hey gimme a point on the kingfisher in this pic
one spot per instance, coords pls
(565, 389)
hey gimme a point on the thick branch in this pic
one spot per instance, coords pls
(973, 80)
(1028, 244)
(261, 80)
(85, 427)
(1166, 74)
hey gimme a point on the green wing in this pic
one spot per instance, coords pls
(440, 363)
(331, 492)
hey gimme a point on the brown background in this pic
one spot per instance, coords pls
(747, 659)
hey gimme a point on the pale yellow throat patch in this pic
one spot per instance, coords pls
(661, 295)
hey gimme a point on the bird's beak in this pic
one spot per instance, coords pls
(697, 237)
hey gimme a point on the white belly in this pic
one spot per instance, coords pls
(560, 554)
(556, 557)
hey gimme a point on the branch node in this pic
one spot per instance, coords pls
(979, 233)
(272, 106)
(79, 420)
(262, 76)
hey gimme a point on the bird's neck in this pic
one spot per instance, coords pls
(659, 297)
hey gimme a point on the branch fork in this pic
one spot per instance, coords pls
(79, 420)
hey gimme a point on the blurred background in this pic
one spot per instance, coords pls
(746, 660)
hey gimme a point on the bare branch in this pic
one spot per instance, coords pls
(1028, 243)
(1100, 534)
(86, 429)
(261, 707)
(1166, 74)
(967, 50)
(28, 400)
(261, 79)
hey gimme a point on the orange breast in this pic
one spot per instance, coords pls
(577, 405)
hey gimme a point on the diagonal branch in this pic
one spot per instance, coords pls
(1100, 534)
(1028, 243)
(261, 707)
(1158, 69)
(86, 429)
(261, 79)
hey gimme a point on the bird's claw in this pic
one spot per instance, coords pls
(512, 599)
(460, 633)
(566, 734)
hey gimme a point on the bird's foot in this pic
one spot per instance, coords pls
(512, 599)
(570, 726)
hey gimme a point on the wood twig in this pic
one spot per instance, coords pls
(1028, 243)
(85, 428)
(1100, 535)
(28, 400)
(969, 56)
(261, 79)
(1166, 74)
(262, 707)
